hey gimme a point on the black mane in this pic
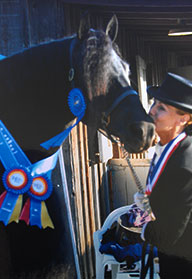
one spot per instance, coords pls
(97, 66)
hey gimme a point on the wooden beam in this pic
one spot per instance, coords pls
(131, 3)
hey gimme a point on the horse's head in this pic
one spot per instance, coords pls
(104, 78)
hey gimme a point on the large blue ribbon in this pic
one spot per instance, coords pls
(77, 106)
(12, 157)
(35, 213)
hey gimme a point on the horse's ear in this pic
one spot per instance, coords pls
(84, 26)
(112, 28)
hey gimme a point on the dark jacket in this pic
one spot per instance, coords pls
(171, 202)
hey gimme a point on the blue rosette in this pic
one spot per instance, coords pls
(22, 177)
(16, 181)
(35, 211)
(77, 105)
(76, 102)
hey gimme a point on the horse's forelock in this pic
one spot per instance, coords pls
(97, 63)
(101, 63)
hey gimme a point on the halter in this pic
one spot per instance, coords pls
(71, 70)
(105, 118)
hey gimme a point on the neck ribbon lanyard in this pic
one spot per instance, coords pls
(155, 171)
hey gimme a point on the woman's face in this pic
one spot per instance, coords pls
(168, 122)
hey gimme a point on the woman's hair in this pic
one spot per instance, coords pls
(188, 128)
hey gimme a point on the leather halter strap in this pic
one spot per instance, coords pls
(119, 99)
(71, 70)
(106, 115)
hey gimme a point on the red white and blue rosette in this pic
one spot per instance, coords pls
(16, 181)
(22, 177)
(35, 212)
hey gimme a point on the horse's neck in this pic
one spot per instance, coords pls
(34, 91)
(44, 68)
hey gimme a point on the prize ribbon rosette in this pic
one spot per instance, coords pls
(35, 211)
(77, 106)
(17, 178)
(21, 177)
(16, 181)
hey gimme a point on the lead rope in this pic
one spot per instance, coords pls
(149, 264)
(138, 183)
(135, 176)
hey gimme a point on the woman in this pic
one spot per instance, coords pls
(169, 182)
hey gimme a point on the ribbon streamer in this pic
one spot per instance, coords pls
(20, 177)
(16, 178)
(35, 211)
(77, 106)
(16, 182)
(44, 218)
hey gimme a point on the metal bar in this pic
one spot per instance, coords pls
(69, 215)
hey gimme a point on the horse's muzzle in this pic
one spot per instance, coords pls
(140, 137)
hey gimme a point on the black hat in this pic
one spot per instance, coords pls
(175, 91)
